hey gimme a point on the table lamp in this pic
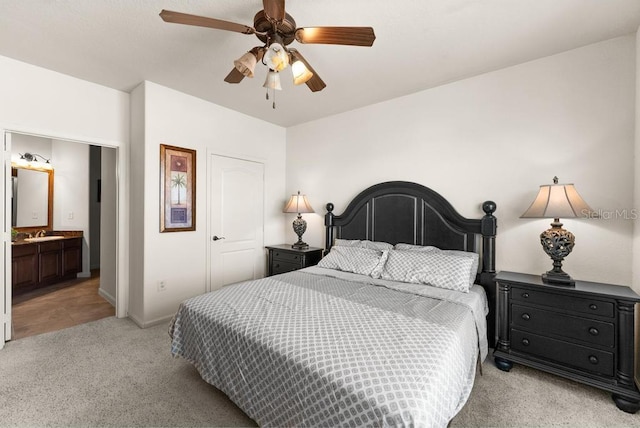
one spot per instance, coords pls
(558, 201)
(299, 204)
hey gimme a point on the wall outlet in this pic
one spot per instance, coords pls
(162, 285)
(70, 215)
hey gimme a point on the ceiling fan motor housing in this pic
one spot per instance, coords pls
(264, 28)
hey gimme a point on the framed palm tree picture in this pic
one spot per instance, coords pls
(177, 189)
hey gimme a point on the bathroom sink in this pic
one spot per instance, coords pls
(44, 238)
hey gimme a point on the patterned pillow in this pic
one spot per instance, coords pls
(352, 259)
(374, 245)
(436, 268)
(473, 256)
(411, 247)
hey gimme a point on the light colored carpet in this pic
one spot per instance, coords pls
(112, 373)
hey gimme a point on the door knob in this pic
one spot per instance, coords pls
(217, 238)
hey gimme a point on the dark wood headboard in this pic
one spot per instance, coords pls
(404, 212)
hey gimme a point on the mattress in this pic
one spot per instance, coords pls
(319, 347)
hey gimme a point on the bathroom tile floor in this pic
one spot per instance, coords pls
(59, 306)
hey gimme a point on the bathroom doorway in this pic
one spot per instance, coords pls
(84, 202)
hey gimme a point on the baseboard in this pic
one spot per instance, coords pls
(133, 318)
(157, 321)
(108, 297)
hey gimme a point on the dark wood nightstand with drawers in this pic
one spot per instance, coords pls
(584, 333)
(283, 258)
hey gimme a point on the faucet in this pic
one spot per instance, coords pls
(41, 233)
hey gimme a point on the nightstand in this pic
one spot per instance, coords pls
(283, 258)
(584, 333)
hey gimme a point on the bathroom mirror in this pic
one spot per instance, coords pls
(31, 198)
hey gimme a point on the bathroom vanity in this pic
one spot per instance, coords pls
(39, 262)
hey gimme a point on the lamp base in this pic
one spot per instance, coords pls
(299, 227)
(557, 243)
(300, 245)
(562, 279)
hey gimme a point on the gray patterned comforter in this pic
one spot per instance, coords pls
(319, 347)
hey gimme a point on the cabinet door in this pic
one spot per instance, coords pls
(71, 261)
(24, 268)
(50, 266)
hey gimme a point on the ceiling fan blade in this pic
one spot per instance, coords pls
(234, 76)
(353, 36)
(274, 9)
(315, 83)
(201, 21)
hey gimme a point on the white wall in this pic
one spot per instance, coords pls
(108, 226)
(42, 102)
(636, 194)
(636, 204)
(165, 116)
(497, 136)
(136, 205)
(28, 143)
(54, 104)
(71, 193)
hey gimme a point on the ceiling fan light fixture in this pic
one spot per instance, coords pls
(301, 74)
(272, 81)
(276, 29)
(276, 57)
(246, 64)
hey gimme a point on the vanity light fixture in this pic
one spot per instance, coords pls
(30, 160)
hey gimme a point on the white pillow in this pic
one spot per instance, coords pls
(352, 259)
(473, 256)
(436, 268)
(374, 245)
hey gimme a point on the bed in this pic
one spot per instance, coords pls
(361, 339)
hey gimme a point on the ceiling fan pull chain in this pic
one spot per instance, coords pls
(274, 98)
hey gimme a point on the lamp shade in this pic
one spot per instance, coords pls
(301, 73)
(276, 57)
(558, 201)
(298, 204)
(246, 64)
(272, 81)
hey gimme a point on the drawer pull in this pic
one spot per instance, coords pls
(525, 342)
(526, 317)
(594, 331)
(593, 306)
(525, 295)
(593, 359)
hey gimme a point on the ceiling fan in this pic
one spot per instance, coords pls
(277, 29)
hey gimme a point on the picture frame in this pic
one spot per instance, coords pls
(177, 189)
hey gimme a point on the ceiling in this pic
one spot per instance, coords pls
(419, 44)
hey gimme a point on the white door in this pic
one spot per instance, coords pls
(5, 194)
(237, 220)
